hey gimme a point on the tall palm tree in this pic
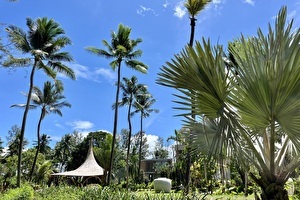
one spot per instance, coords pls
(255, 107)
(43, 42)
(142, 105)
(122, 48)
(130, 88)
(194, 7)
(50, 100)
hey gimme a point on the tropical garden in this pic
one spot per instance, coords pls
(240, 107)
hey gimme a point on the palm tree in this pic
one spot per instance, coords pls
(142, 105)
(122, 48)
(64, 149)
(50, 100)
(43, 43)
(194, 7)
(130, 89)
(44, 144)
(256, 109)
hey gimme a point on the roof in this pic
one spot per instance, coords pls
(90, 167)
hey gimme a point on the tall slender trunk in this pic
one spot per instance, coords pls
(188, 160)
(140, 149)
(129, 141)
(115, 125)
(22, 133)
(193, 24)
(38, 143)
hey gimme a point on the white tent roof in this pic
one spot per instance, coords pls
(90, 167)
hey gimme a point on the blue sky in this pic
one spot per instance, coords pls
(164, 27)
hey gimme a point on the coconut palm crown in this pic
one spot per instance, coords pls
(194, 7)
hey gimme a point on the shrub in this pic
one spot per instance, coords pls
(58, 193)
(25, 192)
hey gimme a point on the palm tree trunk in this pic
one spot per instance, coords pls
(271, 187)
(38, 144)
(115, 125)
(188, 170)
(22, 133)
(129, 141)
(140, 149)
(193, 24)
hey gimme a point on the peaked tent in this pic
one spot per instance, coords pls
(90, 167)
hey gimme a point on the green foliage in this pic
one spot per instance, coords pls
(58, 193)
(25, 192)
(95, 192)
(65, 148)
(243, 111)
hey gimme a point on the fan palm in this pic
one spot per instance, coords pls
(43, 43)
(194, 7)
(130, 88)
(255, 107)
(122, 48)
(142, 105)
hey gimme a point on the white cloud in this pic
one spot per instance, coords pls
(179, 10)
(216, 1)
(250, 2)
(85, 72)
(108, 74)
(166, 4)
(59, 125)
(216, 5)
(151, 141)
(142, 10)
(80, 125)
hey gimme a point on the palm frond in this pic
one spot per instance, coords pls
(195, 6)
(137, 65)
(19, 39)
(61, 68)
(99, 52)
(16, 62)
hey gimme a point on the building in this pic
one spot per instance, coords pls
(154, 168)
